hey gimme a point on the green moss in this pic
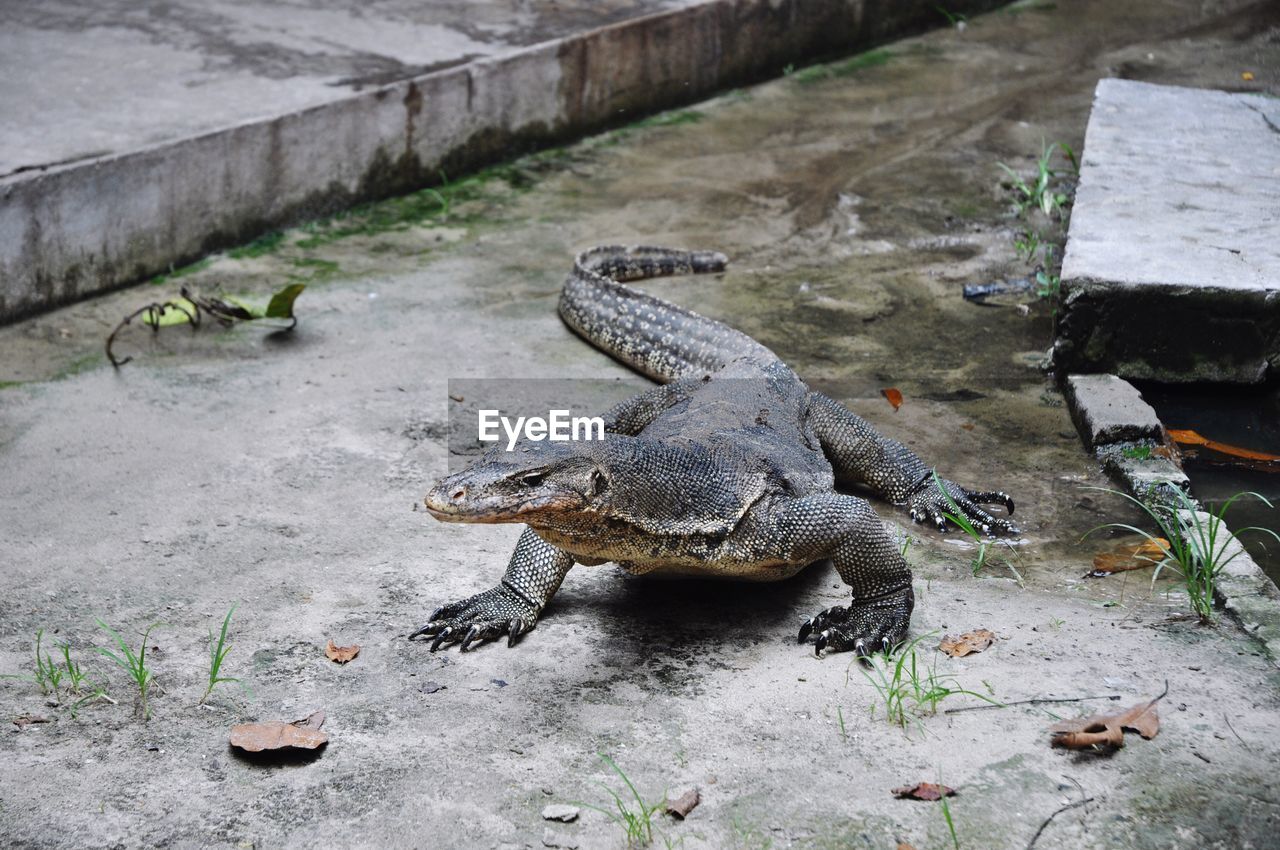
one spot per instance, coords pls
(183, 271)
(320, 268)
(83, 363)
(668, 119)
(4, 385)
(262, 245)
(846, 68)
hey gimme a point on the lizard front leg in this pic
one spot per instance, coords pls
(511, 608)
(860, 455)
(846, 530)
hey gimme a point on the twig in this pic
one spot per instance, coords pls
(1049, 820)
(1227, 720)
(1035, 701)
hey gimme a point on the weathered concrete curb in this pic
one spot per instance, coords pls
(1172, 264)
(1107, 409)
(1126, 450)
(84, 228)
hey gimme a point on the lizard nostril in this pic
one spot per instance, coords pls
(459, 493)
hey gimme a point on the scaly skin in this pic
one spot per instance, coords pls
(728, 468)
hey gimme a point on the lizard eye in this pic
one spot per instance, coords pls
(533, 479)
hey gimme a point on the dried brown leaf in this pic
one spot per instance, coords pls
(681, 806)
(276, 735)
(1107, 730)
(1130, 556)
(924, 791)
(27, 719)
(341, 654)
(892, 395)
(968, 643)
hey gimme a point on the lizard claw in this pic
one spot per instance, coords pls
(944, 508)
(878, 622)
(479, 619)
(441, 637)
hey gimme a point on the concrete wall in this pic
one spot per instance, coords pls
(99, 224)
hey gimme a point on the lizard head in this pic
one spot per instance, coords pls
(537, 481)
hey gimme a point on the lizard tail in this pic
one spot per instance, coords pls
(653, 336)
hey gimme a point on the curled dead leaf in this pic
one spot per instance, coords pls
(341, 654)
(1106, 731)
(892, 395)
(923, 791)
(680, 807)
(27, 719)
(1129, 556)
(968, 643)
(274, 735)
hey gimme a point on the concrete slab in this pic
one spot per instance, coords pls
(1108, 409)
(148, 135)
(1172, 266)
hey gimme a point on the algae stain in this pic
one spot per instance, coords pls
(182, 271)
(259, 247)
(844, 68)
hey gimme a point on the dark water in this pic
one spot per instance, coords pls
(1244, 417)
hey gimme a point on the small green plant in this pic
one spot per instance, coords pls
(840, 716)
(637, 822)
(77, 679)
(946, 816)
(218, 649)
(966, 525)
(1044, 192)
(908, 688)
(47, 676)
(135, 664)
(1193, 542)
(955, 19)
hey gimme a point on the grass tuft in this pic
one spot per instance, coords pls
(135, 664)
(1193, 542)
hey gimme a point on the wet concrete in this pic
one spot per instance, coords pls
(284, 472)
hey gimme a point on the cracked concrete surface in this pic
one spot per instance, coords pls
(284, 473)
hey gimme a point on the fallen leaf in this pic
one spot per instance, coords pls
(968, 643)
(1129, 556)
(1246, 75)
(904, 846)
(560, 812)
(680, 807)
(27, 719)
(968, 426)
(893, 396)
(1191, 438)
(1106, 731)
(923, 791)
(302, 734)
(281, 304)
(341, 654)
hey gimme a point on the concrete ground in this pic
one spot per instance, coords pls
(283, 472)
(170, 70)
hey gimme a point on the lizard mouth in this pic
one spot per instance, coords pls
(455, 506)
